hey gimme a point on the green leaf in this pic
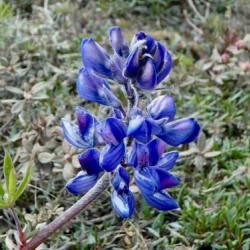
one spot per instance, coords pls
(158, 222)
(1, 191)
(4, 204)
(7, 167)
(24, 182)
(12, 184)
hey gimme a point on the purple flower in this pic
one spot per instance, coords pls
(82, 135)
(153, 179)
(118, 42)
(112, 130)
(138, 138)
(95, 89)
(81, 183)
(122, 198)
(161, 111)
(89, 161)
(111, 156)
(148, 63)
(162, 107)
(95, 58)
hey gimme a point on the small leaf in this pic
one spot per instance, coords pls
(22, 186)
(14, 90)
(7, 167)
(12, 184)
(17, 107)
(158, 222)
(212, 154)
(201, 142)
(1, 191)
(3, 204)
(46, 157)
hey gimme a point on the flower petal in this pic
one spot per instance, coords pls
(95, 58)
(89, 161)
(120, 179)
(150, 180)
(132, 155)
(140, 129)
(84, 120)
(93, 88)
(180, 132)
(117, 114)
(147, 78)
(117, 63)
(123, 203)
(81, 183)
(161, 201)
(156, 147)
(146, 180)
(113, 130)
(132, 64)
(165, 179)
(150, 44)
(73, 135)
(139, 36)
(118, 42)
(166, 68)
(168, 160)
(138, 155)
(161, 107)
(111, 156)
(159, 56)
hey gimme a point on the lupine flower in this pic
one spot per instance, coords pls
(161, 111)
(122, 198)
(149, 61)
(95, 89)
(146, 62)
(84, 134)
(151, 172)
(136, 140)
(112, 131)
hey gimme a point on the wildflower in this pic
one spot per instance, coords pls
(133, 141)
(151, 173)
(122, 198)
(159, 122)
(146, 61)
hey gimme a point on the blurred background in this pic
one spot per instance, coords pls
(39, 60)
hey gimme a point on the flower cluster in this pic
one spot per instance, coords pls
(133, 140)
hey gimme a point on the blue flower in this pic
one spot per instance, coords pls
(95, 58)
(89, 161)
(95, 89)
(81, 183)
(158, 121)
(144, 133)
(112, 130)
(118, 42)
(139, 127)
(153, 179)
(148, 63)
(82, 135)
(162, 107)
(122, 198)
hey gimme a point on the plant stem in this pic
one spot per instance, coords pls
(69, 214)
(21, 234)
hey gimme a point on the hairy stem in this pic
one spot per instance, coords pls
(68, 215)
(21, 234)
(132, 96)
